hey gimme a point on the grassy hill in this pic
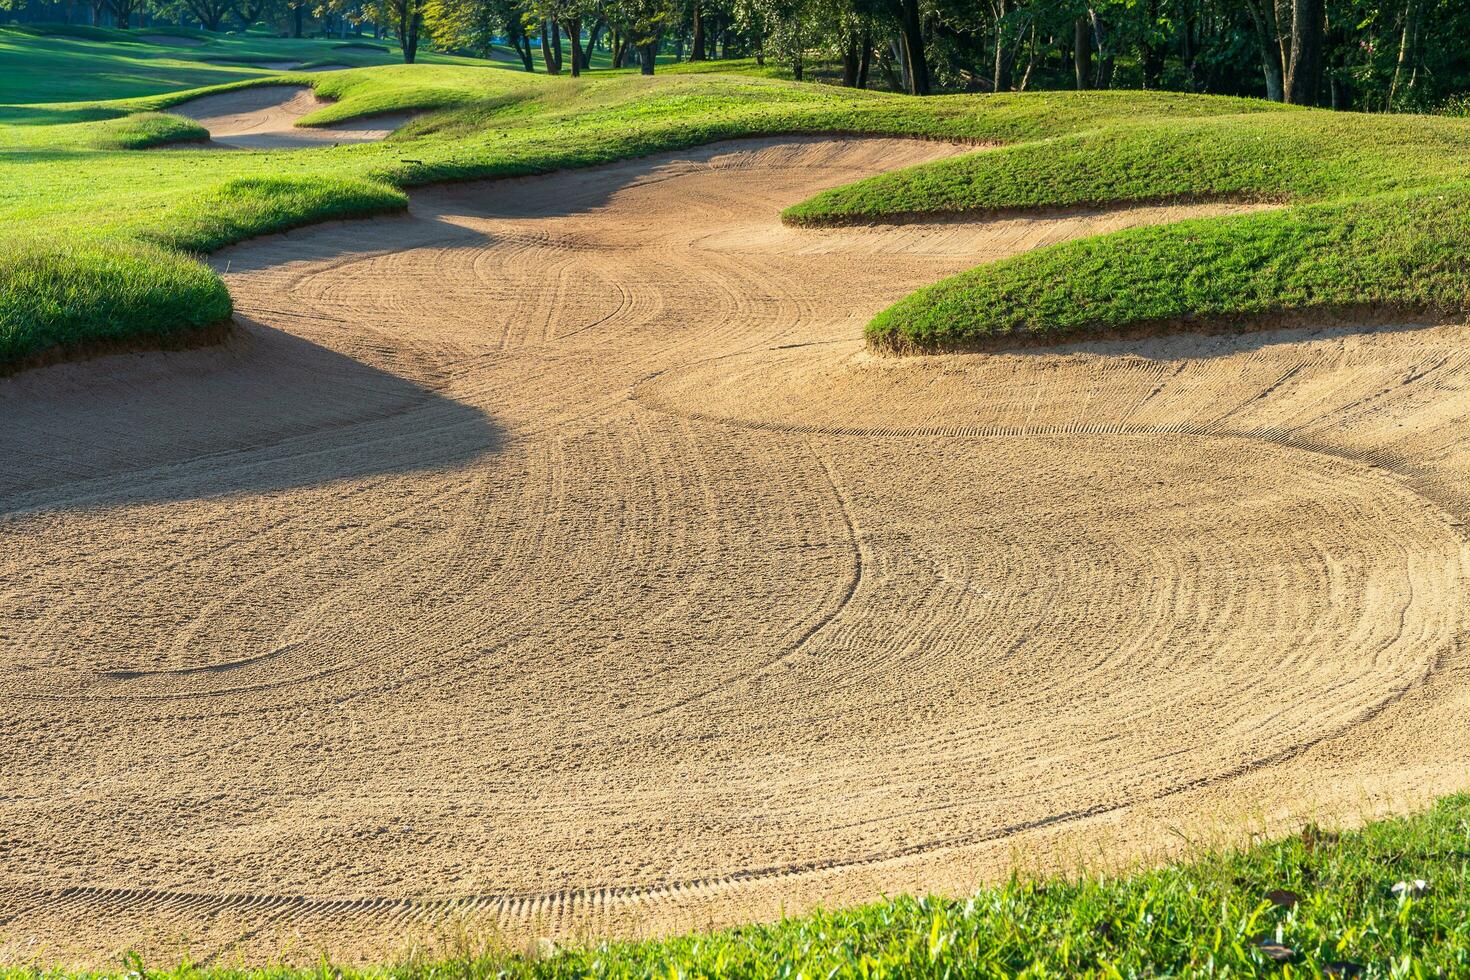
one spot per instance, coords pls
(81, 200)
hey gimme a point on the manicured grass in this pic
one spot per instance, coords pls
(69, 171)
(82, 293)
(57, 63)
(1315, 904)
(1384, 236)
(1401, 254)
(66, 178)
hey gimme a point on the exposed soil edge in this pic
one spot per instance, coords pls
(1040, 211)
(1366, 315)
(86, 350)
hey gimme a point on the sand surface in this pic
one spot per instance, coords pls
(554, 560)
(264, 118)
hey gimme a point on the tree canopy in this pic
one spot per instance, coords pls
(1373, 55)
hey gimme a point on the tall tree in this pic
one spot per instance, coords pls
(642, 22)
(1304, 73)
(123, 11)
(911, 40)
(210, 13)
(406, 19)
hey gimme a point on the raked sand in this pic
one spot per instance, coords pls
(555, 561)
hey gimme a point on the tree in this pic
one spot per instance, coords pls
(405, 18)
(123, 10)
(916, 65)
(211, 13)
(472, 26)
(1304, 73)
(642, 23)
(251, 12)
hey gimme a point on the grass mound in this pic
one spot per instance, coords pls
(1393, 255)
(1378, 224)
(82, 294)
(249, 206)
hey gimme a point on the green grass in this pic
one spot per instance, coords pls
(1360, 187)
(79, 294)
(1377, 228)
(56, 63)
(70, 173)
(1325, 900)
(1393, 255)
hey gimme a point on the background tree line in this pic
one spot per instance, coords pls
(1373, 55)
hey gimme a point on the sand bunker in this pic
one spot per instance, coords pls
(555, 559)
(264, 118)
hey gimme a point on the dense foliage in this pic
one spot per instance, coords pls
(1377, 55)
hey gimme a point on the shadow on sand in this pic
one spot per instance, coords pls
(265, 411)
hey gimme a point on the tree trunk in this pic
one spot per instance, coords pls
(696, 44)
(298, 18)
(1411, 9)
(1030, 62)
(408, 32)
(916, 67)
(1000, 80)
(592, 42)
(574, 34)
(1263, 16)
(1082, 52)
(550, 57)
(1304, 74)
(865, 61)
(648, 55)
(1103, 76)
(850, 61)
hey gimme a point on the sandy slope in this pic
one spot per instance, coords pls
(264, 118)
(555, 559)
